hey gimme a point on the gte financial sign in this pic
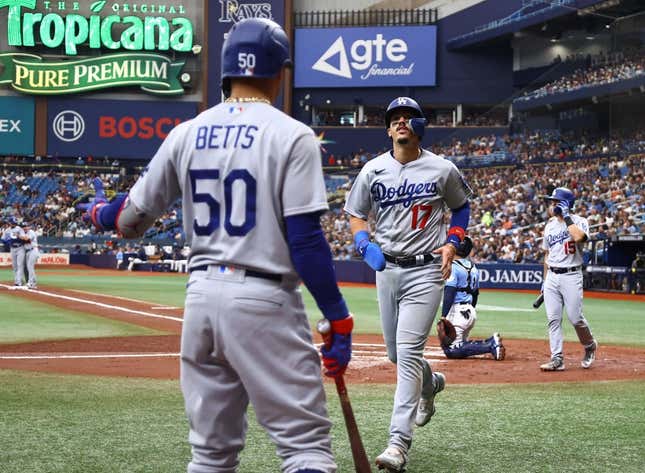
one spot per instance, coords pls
(137, 31)
(366, 57)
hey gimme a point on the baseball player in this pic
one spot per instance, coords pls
(31, 254)
(252, 190)
(459, 301)
(406, 189)
(564, 235)
(16, 237)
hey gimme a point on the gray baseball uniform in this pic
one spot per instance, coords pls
(31, 255)
(563, 282)
(241, 169)
(408, 202)
(15, 234)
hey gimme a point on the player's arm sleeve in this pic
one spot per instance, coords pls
(475, 297)
(458, 224)
(358, 202)
(303, 189)
(449, 293)
(456, 197)
(312, 259)
(157, 188)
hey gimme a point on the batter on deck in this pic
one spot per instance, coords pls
(407, 189)
(564, 235)
(252, 190)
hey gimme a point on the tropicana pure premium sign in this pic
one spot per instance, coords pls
(139, 32)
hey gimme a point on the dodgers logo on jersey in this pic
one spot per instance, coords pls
(403, 194)
(558, 238)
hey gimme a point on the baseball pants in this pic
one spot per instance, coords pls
(408, 302)
(18, 264)
(32, 258)
(564, 291)
(248, 340)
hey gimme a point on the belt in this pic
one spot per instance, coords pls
(572, 269)
(409, 261)
(248, 272)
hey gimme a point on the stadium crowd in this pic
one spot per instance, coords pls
(506, 213)
(602, 69)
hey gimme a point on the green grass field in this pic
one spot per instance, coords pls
(56, 423)
(615, 322)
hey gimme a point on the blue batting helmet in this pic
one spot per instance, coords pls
(562, 194)
(254, 47)
(405, 103)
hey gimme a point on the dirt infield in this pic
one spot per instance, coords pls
(157, 356)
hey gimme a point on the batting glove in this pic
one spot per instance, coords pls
(337, 350)
(370, 252)
(91, 208)
(561, 208)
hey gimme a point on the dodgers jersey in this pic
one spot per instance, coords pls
(14, 235)
(407, 200)
(459, 279)
(32, 244)
(241, 168)
(563, 251)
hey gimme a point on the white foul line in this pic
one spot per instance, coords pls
(76, 357)
(100, 304)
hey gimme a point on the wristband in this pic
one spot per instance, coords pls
(568, 220)
(455, 236)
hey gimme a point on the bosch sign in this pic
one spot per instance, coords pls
(120, 129)
(144, 128)
(366, 57)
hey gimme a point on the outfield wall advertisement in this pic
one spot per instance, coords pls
(492, 276)
(118, 129)
(43, 258)
(16, 125)
(366, 57)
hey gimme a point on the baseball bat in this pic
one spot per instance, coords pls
(361, 462)
(538, 302)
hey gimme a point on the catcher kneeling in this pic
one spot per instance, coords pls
(458, 314)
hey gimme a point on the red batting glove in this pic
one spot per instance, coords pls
(337, 350)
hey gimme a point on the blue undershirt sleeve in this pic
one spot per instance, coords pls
(106, 216)
(449, 293)
(312, 259)
(458, 224)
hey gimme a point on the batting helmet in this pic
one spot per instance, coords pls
(255, 47)
(402, 103)
(562, 194)
(465, 247)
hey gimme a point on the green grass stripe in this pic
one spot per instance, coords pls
(613, 322)
(23, 320)
(72, 424)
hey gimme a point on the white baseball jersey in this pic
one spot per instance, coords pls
(15, 234)
(407, 200)
(33, 240)
(231, 214)
(563, 251)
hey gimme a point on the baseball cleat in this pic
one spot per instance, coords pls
(392, 460)
(590, 355)
(499, 352)
(425, 408)
(556, 364)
